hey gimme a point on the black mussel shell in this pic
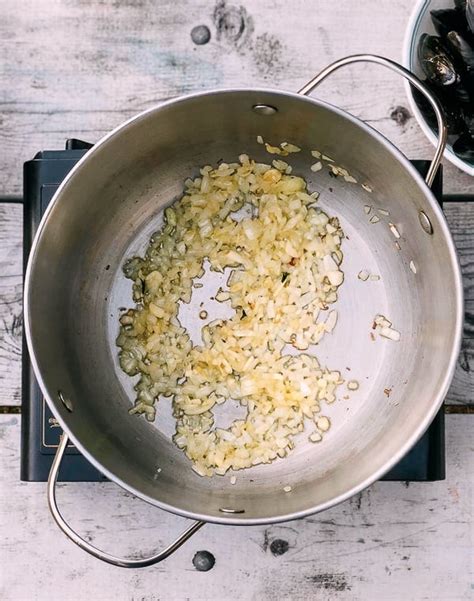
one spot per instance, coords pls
(452, 113)
(463, 93)
(436, 62)
(460, 5)
(448, 19)
(469, 121)
(426, 109)
(464, 148)
(461, 48)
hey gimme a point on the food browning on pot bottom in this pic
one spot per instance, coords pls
(285, 262)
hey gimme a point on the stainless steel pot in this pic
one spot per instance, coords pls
(113, 200)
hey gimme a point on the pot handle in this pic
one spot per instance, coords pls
(417, 83)
(83, 544)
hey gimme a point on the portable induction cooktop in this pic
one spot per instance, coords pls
(40, 430)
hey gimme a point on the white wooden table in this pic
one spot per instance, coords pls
(77, 68)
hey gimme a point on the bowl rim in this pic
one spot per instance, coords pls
(412, 28)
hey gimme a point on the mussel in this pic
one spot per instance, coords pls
(448, 19)
(436, 62)
(463, 55)
(469, 121)
(461, 48)
(454, 117)
(463, 147)
(426, 108)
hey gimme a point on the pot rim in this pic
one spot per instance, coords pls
(240, 519)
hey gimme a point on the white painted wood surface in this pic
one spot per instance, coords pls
(77, 68)
(392, 542)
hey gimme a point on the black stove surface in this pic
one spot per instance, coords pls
(40, 430)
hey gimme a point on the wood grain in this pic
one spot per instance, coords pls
(460, 217)
(112, 59)
(11, 321)
(78, 68)
(393, 541)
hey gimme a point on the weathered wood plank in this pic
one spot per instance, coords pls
(80, 67)
(112, 59)
(460, 217)
(11, 269)
(462, 386)
(391, 542)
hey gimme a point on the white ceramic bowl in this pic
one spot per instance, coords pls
(420, 22)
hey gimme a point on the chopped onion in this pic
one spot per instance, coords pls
(336, 277)
(350, 179)
(394, 230)
(222, 295)
(383, 326)
(285, 259)
(391, 333)
(273, 149)
(381, 320)
(331, 321)
(323, 423)
(290, 147)
(280, 165)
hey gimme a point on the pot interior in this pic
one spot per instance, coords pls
(111, 204)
